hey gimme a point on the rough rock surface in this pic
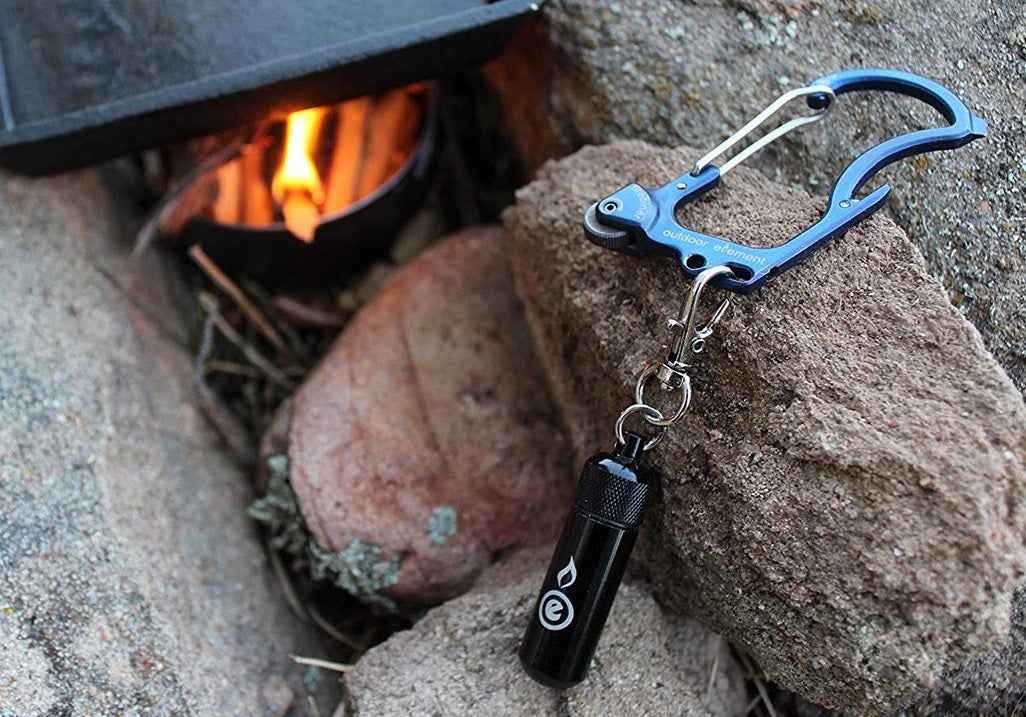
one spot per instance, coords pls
(462, 659)
(428, 431)
(131, 581)
(689, 72)
(846, 500)
(993, 684)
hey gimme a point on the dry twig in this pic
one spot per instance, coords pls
(287, 589)
(228, 427)
(233, 368)
(266, 304)
(170, 214)
(214, 273)
(331, 630)
(152, 315)
(366, 639)
(759, 684)
(209, 304)
(306, 316)
(323, 664)
(715, 666)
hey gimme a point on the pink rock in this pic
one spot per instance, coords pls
(432, 406)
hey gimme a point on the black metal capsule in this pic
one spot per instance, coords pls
(587, 566)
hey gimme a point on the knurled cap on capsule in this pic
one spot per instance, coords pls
(610, 497)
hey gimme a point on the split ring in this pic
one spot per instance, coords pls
(650, 414)
(639, 397)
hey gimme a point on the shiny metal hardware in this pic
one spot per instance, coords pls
(688, 337)
(649, 414)
(685, 334)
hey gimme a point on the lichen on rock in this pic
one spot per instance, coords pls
(279, 510)
(441, 524)
(360, 568)
(431, 413)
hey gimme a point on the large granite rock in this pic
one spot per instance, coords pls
(131, 581)
(687, 73)
(461, 659)
(428, 432)
(846, 500)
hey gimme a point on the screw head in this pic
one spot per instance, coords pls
(845, 204)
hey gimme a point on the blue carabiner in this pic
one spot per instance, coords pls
(640, 222)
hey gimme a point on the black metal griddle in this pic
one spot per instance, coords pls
(87, 80)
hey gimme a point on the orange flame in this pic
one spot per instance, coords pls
(297, 186)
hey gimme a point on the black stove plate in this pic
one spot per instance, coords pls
(86, 80)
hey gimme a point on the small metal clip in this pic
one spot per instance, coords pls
(672, 370)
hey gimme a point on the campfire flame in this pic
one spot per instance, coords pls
(296, 185)
(332, 157)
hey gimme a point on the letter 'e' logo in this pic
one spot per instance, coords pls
(554, 609)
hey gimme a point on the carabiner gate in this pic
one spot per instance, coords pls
(821, 105)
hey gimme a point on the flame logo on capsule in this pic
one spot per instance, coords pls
(555, 611)
(569, 574)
